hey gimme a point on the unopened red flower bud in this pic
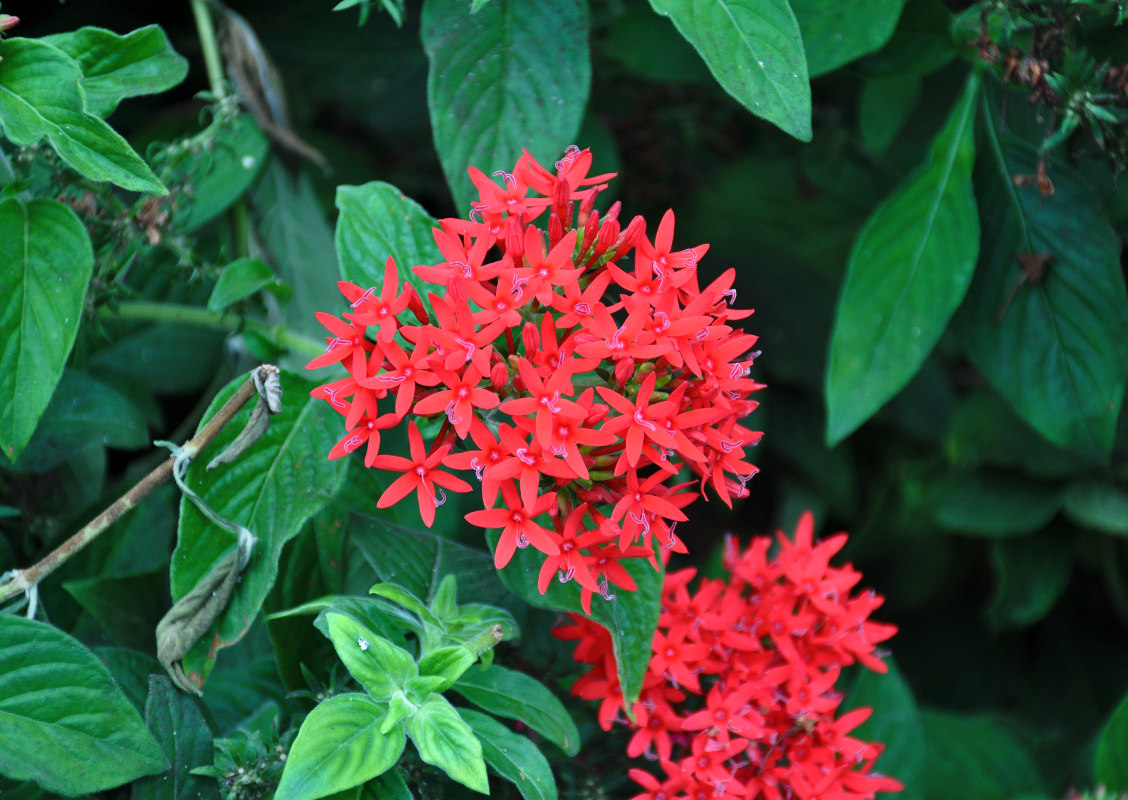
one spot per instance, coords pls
(8, 21)
(591, 230)
(597, 414)
(515, 239)
(624, 369)
(415, 304)
(586, 206)
(630, 236)
(499, 375)
(530, 337)
(608, 234)
(561, 192)
(555, 229)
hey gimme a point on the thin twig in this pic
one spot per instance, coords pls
(25, 581)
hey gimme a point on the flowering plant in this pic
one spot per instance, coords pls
(574, 387)
(765, 649)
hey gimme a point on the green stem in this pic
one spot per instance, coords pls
(202, 318)
(208, 43)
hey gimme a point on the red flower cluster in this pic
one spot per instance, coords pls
(739, 697)
(574, 388)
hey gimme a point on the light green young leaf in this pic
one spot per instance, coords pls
(380, 666)
(338, 747)
(448, 663)
(116, 67)
(512, 756)
(41, 97)
(242, 278)
(515, 695)
(755, 51)
(514, 75)
(835, 33)
(1055, 346)
(445, 741)
(46, 262)
(64, 723)
(910, 268)
(272, 489)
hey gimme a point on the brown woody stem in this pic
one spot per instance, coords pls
(23, 581)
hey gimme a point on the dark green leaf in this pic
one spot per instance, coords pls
(46, 261)
(378, 665)
(649, 46)
(239, 280)
(1030, 575)
(631, 617)
(166, 359)
(272, 489)
(445, 741)
(418, 560)
(993, 504)
(378, 222)
(82, 411)
(1111, 768)
(910, 268)
(975, 758)
(42, 98)
(755, 51)
(339, 746)
(127, 606)
(217, 170)
(885, 106)
(116, 67)
(1056, 347)
(515, 75)
(836, 33)
(63, 721)
(177, 721)
(986, 431)
(515, 695)
(896, 722)
(130, 670)
(512, 756)
(299, 241)
(1098, 504)
(389, 786)
(921, 43)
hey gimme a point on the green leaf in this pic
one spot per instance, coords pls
(418, 560)
(46, 261)
(1111, 767)
(991, 503)
(63, 721)
(1030, 575)
(448, 663)
(445, 741)
(911, 265)
(1098, 504)
(649, 46)
(177, 721)
(975, 758)
(338, 747)
(127, 606)
(1055, 348)
(272, 489)
(886, 104)
(378, 222)
(82, 411)
(217, 170)
(631, 617)
(755, 51)
(512, 756)
(922, 42)
(515, 75)
(405, 599)
(515, 695)
(380, 666)
(242, 278)
(116, 67)
(41, 97)
(299, 241)
(835, 33)
(165, 359)
(130, 670)
(896, 721)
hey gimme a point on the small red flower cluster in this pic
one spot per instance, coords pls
(573, 388)
(765, 649)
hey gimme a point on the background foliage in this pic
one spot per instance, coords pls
(921, 199)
